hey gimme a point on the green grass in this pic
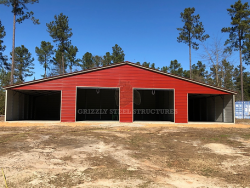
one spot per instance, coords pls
(217, 138)
(17, 136)
(208, 171)
(246, 136)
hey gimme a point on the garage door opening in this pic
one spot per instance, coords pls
(210, 108)
(97, 104)
(33, 105)
(153, 105)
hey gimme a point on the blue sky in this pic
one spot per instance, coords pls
(145, 29)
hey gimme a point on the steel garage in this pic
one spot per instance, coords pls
(124, 92)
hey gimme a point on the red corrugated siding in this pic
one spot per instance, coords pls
(126, 77)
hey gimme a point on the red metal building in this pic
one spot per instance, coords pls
(125, 91)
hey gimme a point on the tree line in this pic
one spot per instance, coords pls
(226, 75)
(61, 57)
(54, 60)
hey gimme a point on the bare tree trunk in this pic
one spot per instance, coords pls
(241, 80)
(13, 49)
(215, 56)
(63, 62)
(222, 80)
(217, 67)
(45, 66)
(216, 72)
(190, 60)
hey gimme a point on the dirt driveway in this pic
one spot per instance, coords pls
(124, 155)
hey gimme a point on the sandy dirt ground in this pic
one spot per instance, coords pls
(124, 155)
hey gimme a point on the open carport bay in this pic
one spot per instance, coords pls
(98, 104)
(153, 105)
(210, 108)
(33, 105)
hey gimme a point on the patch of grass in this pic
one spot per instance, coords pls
(67, 158)
(109, 168)
(145, 184)
(224, 136)
(246, 136)
(217, 138)
(62, 180)
(208, 171)
(15, 137)
(136, 141)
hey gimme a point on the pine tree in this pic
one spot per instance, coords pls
(246, 49)
(107, 59)
(44, 55)
(175, 68)
(58, 67)
(59, 30)
(71, 55)
(145, 64)
(165, 68)
(98, 60)
(240, 26)
(226, 75)
(87, 61)
(237, 83)
(186, 73)
(118, 54)
(4, 74)
(3, 58)
(23, 64)
(4, 78)
(192, 30)
(18, 9)
(4, 81)
(152, 66)
(199, 71)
